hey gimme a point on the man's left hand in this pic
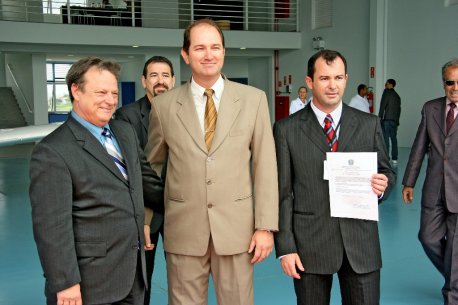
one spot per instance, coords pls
(379, 183)
(262, 243)
(148, 245)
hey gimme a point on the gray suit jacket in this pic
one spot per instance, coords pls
(432, 139)
(87, 219)
(306, 226)
(137, 114)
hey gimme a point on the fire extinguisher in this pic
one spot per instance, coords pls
(370, 99)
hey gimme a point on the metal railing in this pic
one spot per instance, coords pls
(247, 15)
(17, 89)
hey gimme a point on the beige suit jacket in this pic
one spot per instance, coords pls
(227, 192)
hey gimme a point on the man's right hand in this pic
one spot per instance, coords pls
(289, 263)
(70, 296)
(407, 194)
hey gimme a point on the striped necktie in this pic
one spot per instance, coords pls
(114, 153)
(329, 131)
(210, 118)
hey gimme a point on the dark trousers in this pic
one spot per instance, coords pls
(438, 236)
(356, 289)
(390, 131)
(150, 256)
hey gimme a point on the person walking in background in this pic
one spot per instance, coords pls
(359, 101)
(389, 113)
(300, 102)
(88, 181)
(157, 77)
(437, 137)
(218, 138)
(311, 244)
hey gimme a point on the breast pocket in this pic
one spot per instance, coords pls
(237, 132)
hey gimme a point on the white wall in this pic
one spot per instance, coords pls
(421, 37)
(349, 35)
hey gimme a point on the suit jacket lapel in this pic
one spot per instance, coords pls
(348, 126)
(93, 147)
(439, 116)
(188, 116)
(314, 130)
(229, 109)
(144, 111)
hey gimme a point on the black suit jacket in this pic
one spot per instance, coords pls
(87, 219)
(305, 225)
(137, 114)
(390, 106)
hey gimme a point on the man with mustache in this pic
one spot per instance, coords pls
(158, 77)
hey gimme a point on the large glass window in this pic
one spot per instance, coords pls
(58, 97)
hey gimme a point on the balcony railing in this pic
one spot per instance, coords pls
(247, 15)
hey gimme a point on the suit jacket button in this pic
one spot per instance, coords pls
(210, 205)
(209, 182)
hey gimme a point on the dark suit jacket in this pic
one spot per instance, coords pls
(306, 226)
(390, 106)
(87, 219)
(137, 114)
(432, 139)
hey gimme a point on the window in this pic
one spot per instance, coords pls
(53, 7)
(58, 97)
(321, 14)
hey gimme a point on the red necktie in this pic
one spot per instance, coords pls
(450, 116)
(330, 133)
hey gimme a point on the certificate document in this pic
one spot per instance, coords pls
(350, 190)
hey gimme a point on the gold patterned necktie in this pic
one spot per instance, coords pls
(210, 118)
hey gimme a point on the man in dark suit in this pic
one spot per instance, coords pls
(437, 136)
(311, 244)
(389, 113)
(88, 180)
(158, 77)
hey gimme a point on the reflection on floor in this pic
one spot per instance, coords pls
(407, 275)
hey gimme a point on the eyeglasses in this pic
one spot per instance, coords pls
(450, 83)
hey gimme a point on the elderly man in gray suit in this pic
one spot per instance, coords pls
(437, 136)
(311, 244)
(87, 179)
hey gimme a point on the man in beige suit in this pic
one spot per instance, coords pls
(221, 195)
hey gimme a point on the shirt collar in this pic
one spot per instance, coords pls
(320, 115)
(217, 87)
(96, 131)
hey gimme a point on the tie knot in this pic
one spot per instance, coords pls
(208, 92)
(328, 119)
(452, 105)
(106, 132)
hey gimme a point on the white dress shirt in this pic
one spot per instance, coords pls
(200, 100)
(296, 105)
(359, 103)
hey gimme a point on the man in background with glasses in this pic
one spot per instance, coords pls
(437, 136)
